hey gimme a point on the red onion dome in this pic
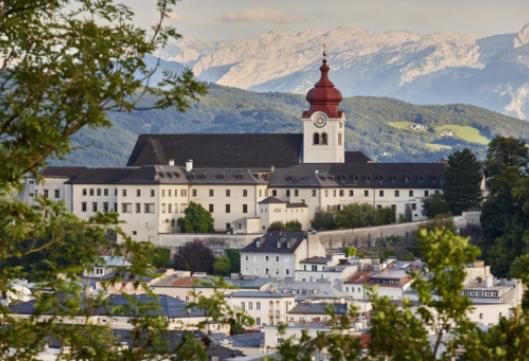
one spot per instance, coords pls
(324, 97)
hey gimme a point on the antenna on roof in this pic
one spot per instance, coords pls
(324, 51)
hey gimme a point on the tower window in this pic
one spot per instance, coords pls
(316, 138)
(324, 138)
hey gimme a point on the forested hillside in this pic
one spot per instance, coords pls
(380, 127)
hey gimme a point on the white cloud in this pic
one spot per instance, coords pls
(260, 15)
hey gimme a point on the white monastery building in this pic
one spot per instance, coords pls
(246, 181)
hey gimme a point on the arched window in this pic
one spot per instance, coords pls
(324, 138)
(316, 138)
(339, 138)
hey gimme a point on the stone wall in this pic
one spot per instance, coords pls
(367, 237)
(216, 242)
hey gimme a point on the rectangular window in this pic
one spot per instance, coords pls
(274, 193)
(57, 193)
(426, 193)
(170, 208)
(116, 192)
(244, 208)
(334, 192)
(84, 191)
(194, 192)
(414, 206)
(288, 192)
(91, 191)
(381, 193)
(169, 192)
(351, 193)
(163, 192)
(125, 207)
(124, 192)
(228, 193)
(152, 193)
(183, 207)
(394, 207)
(115, 207)
(250, 305)
(83, 206)
(341, 192)
(314, 193)
(211, 208)
(287, 272)
(228, 208)
(138, 192)
(397, 193)
(148, 207)
(46, 195)
(211, 193)
(105, 207)
(138, 207)
(411, 193)
(94, 206)
(105, 192)
(296, 193)
(98, 192)
(260, 192)
(245, 192)
(258, 305)
(366, 193)
(258, 321)
(163, 207)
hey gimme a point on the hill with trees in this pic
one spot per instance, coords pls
(371, 126)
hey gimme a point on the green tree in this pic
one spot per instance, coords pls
(222, 266)
(351, 251)
(235, 260)
(276, 226)
(194, 257)
(505, 216)
(462, 181)
(293, 226)
(324, 220)
(161, 258)
(196, 220)
(435, 205)
(64, 64)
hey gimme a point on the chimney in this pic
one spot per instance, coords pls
(272, 169)
(316, 171)
(171, 161)
(189, 165)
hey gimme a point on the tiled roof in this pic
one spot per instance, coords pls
(276, 242)
(361, 175)
(218, 150)
(224, 150)
(318, 308)
(272, 200)
(61, 172)
(259, 294)
(317, 260)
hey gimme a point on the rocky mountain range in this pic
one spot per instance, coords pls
(441, 68)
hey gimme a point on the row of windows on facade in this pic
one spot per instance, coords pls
(323, 139)
(341, 193)
(183, 192)
(278, 210)
(267, 258)
(270, 305)
(56, 193)
(127, 207)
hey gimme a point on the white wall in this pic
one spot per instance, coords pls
(264, 310)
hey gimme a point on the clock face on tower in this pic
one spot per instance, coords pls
(319, 119)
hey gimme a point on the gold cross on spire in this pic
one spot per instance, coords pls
(324, 50)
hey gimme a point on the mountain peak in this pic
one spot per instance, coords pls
(522, 38)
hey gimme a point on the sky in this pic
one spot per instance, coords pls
(236, 19)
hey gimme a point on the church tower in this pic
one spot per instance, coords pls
(323, 123)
